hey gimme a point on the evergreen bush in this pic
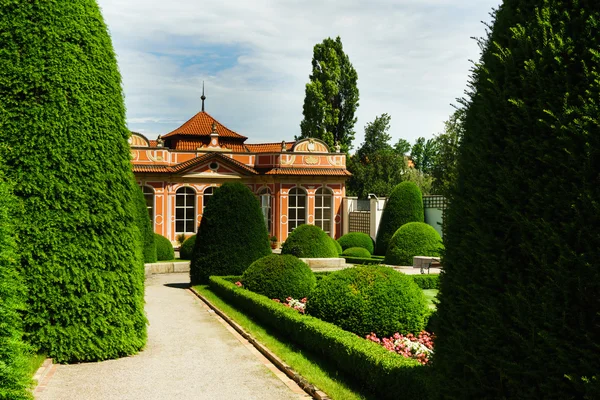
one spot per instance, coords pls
(356, 252)
(280, 276)
(338, 247)
(14, 379)
(232, 234)
(369, 299)
(164, 248)
(519, 310)
(63, 123)
(142, 221)
(357, 239)
(309, 241)
(404, 205)
(413, 239)
(187, 248)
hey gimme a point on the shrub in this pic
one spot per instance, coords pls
(413, 239)
(367, 364)
(142, 221)
(404, 205)
(429, 281)
(187, 248)
(232, 234)
(164, 248)
(279, 277)
(356, 252)
(338, 248)
(14, 379)
(369, 299)
(63, 121)
(309, 241)
(519, 296)
(356, 239)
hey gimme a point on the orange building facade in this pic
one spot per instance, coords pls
(295, 182)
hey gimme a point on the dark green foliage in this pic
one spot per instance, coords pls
(413, 239)
(309, 241)
(369, 299)
(366, 363)
(14, 380)
(232, 234)
(444, 168)
(356, 239)
(187, 248)
(356, 252)
(363, 260)
(404, 205)
(519, 303)
(331, 96)
(429, 281)
(338, 247)
(164, 248)
(63, 123)
(142, 221)
(424, 154)
(278, 277)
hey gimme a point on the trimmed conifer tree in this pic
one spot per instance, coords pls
(232, 234)
(144, 225)
(519, 310)
(63, 120)
(404, 205)
(14, 378)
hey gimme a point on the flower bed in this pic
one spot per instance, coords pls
(365, 362)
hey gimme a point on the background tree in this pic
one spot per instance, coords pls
(402, 146)
(331, 96)
(423, 154)
(444, 169)
(63, 122)
(519, 311)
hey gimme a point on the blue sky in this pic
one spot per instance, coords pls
(411, 56)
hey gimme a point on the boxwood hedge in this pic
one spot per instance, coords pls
(413, 239)
(357, 239)
(309, 241)
(164, 248)
(187, 248)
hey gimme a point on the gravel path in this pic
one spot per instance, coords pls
(189, 354)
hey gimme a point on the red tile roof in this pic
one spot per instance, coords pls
(268, 147)
(309, 171)
(201, 125)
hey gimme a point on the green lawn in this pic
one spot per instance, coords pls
(315, 370)
(430, 295)
(35, 361)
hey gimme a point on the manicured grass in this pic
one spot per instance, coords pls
(35, 361)
(430, 295)
(312, 368)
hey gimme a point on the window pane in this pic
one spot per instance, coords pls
(301, 200)
(292, 201)
(318, 213)
(189, 213)
(179, 200)
(189, 201)
(327, 201)
(179, 226)
(189, 226)
(179, 213)
(326, 226)
(292, 213)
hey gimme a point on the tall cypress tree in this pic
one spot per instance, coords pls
(62, 117)
(519, 306)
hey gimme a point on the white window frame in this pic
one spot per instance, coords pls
(326, 212)
(295, 193)
(189, 195)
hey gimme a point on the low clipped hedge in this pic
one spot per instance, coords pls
(362, 260)
(187, 248)
(356, 252)
(427, 281)
(164, 248)
(357, 239)
(376, 369)
(309, 241)
(280, 276)
(413, 239)
(367, 299)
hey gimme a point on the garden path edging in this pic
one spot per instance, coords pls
(282, 366)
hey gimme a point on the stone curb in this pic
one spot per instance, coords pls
(43, 374)
(282, 366)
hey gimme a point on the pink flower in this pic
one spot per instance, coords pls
(239, 284)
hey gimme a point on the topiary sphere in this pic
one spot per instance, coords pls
(232, 234)
(164, 248)
(309, 241)
(404, 205)
(356, 252)
(369, 299)
(187, 248)
(413, 239)
(278, 277)
(337, 246)
(357, 239)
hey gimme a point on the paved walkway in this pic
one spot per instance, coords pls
(190, 354)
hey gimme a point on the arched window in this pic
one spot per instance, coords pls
(323, 208)
(185, 210)
(264, 197)
(296, 208)
(149, 196)
(208, 192)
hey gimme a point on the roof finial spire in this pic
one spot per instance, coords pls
(203, 97)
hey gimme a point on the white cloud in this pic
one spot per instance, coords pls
(411, 57)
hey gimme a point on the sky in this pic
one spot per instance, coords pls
(413, 59)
